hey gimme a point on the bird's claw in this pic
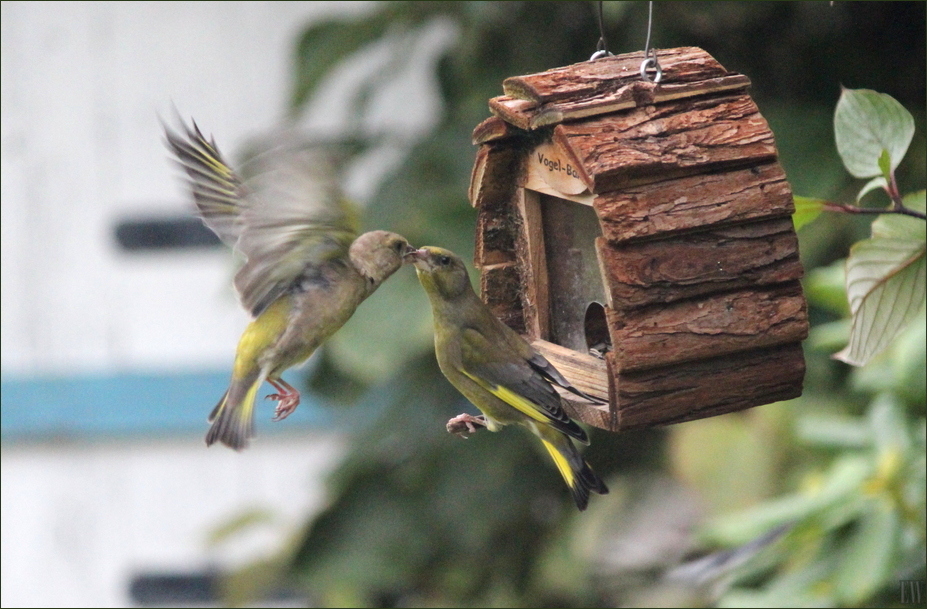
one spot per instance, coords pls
(465, 423)
(285, 408)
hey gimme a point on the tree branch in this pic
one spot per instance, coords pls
(896, 208)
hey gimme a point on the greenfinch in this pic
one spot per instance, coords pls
(499, 372)
(305, 272)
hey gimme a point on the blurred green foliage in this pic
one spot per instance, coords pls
(419, 517)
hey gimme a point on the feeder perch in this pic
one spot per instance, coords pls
(639, 235)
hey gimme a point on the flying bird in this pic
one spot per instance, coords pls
(306, 270)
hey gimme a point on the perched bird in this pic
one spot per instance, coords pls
(305, 269)
(497, 370)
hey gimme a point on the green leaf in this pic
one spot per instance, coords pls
(899, 226)
(866, 123)
(886, 283)
(910, 357)
(835, 430)
(873, 184)
(837, 488)
(802, 587)
(900, 368)
(885, 165)
(830, 336)
(826, 287)
(885, 286)
(888, 424)
(867, 560)
(806, 210)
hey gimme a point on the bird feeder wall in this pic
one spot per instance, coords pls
(640, 236)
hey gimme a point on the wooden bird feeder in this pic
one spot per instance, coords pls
(646, 222)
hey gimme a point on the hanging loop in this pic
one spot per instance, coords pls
(601, 47)
(650, 55)
(651, 62)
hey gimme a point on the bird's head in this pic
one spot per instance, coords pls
(441, 272)
(378, 254)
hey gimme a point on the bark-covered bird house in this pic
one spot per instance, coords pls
(640, 236)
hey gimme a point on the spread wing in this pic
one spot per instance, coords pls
(286, 218)
(516, 380)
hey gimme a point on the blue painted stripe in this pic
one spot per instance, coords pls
(132, 403)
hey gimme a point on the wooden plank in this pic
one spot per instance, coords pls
(547, 163)
(529, 248)
(493, 191)
(701, 328)
(656, 143)
(500, 289)
(611, 84)
(632, 95)
(493, 129)
(496, 175)
(517, 112)
(477, 174)
(589, 78)
(523, 115)
(548, 171)
(537, 184)
(677, 393)
(676, 206)
(694, 390)
(588, 374)
(637, 274)
(495, 236)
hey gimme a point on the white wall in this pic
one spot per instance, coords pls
(83, 85)
(82, 89)
(79, 521)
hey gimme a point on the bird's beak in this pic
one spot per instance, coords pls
(415, 255)
(407, 255)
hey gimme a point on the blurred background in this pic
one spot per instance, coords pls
(119, 324)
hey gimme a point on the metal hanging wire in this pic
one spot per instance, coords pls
(601, 47)
(650, 55)
(651, 62)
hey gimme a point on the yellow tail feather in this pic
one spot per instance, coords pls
(575, 471)
(561, 462)
(233, 424)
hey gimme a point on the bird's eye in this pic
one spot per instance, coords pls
(444, 260)
(398, 247)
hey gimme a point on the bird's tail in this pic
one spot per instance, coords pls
(233, 417)
(574, 469)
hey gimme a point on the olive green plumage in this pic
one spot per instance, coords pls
(306, 270)
(499, 372)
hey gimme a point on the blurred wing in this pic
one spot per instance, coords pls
(296, 219)
(512, 379)
(287, 218)
(215, 186)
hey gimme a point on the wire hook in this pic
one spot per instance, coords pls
(601, 47)
(650, 55)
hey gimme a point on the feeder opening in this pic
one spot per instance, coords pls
(574, 280)
(598, 339)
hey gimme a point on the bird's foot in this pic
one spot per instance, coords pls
(288, 398)
(285, 408)
(465, 423)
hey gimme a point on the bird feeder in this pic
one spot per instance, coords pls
(639, 235)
